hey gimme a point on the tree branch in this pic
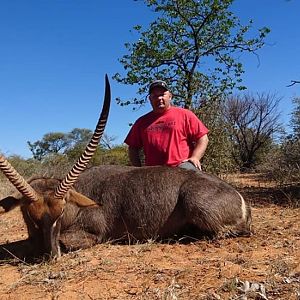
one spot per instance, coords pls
(293, 82)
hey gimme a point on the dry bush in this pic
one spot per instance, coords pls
(283, 164)
(5, 187)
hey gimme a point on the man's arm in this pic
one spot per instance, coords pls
(199, 151)
(134, 156)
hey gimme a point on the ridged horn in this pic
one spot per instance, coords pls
(90, 149)
(17, 180)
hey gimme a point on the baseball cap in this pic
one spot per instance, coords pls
(158, 83)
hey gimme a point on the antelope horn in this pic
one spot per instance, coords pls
(17, 180)
(90, 149)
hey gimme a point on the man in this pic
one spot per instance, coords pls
(169, 135)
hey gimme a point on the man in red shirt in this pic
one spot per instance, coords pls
(169, 135)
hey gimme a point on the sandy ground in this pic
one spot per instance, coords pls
(263, 266)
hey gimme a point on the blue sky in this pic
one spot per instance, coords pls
(54, 55)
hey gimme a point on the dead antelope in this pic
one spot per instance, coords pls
(137, 204)
(134, 204)
(123, 203)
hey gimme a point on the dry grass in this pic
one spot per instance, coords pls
(250, 180)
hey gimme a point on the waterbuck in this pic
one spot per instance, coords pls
(137, 204)
(123, 203)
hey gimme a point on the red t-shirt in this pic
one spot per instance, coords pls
(167, 138)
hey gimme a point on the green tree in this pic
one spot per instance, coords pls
(53, 142)
(79, 136)
(218, 158)
(72, 143)
(58, 151)
(195, 45)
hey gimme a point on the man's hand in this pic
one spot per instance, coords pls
(195, 161)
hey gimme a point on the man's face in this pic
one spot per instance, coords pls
(160, 99)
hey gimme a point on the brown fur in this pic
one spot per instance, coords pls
(135, 204)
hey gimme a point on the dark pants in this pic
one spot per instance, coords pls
(188, 165)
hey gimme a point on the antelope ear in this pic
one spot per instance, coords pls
(9, 203)
(80, 199)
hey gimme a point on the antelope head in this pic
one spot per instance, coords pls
(43, 200)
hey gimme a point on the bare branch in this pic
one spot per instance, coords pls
(253, 121)
(293, 82)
